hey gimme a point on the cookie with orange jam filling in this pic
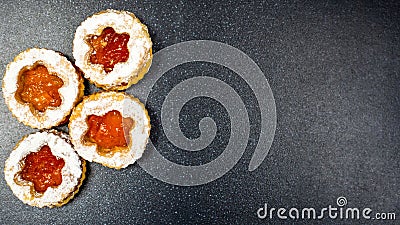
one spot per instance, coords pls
(113, 49)
(41, 87)
(44, 170)
(110, 128)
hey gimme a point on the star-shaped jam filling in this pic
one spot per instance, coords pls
(43, 169)
(108, 48)
(39, 88)
(110, 132)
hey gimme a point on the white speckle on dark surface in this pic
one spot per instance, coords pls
(333, 67)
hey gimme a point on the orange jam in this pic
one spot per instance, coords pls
(43, 169)
(39, 88)
(109, 48)
(109, 131)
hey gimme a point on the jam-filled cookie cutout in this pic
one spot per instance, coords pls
(110, 132)
(38, 87)
(44, 170)
(113, 48)
(110, 128)
(41, 87)
(108, 48)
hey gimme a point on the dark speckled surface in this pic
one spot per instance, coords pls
(334, 69)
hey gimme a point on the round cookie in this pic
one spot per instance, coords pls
(115, 142)
(26, 88)
(120, 41)
(28, 168)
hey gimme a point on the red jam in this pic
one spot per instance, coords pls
(109, 48)
(109, 131)
(43, 169)
(39, 88)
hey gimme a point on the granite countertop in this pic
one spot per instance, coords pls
(330, 94)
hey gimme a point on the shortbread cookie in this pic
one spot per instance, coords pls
(44, 170)
(41, 87)
(113, 49)
(110, 128)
